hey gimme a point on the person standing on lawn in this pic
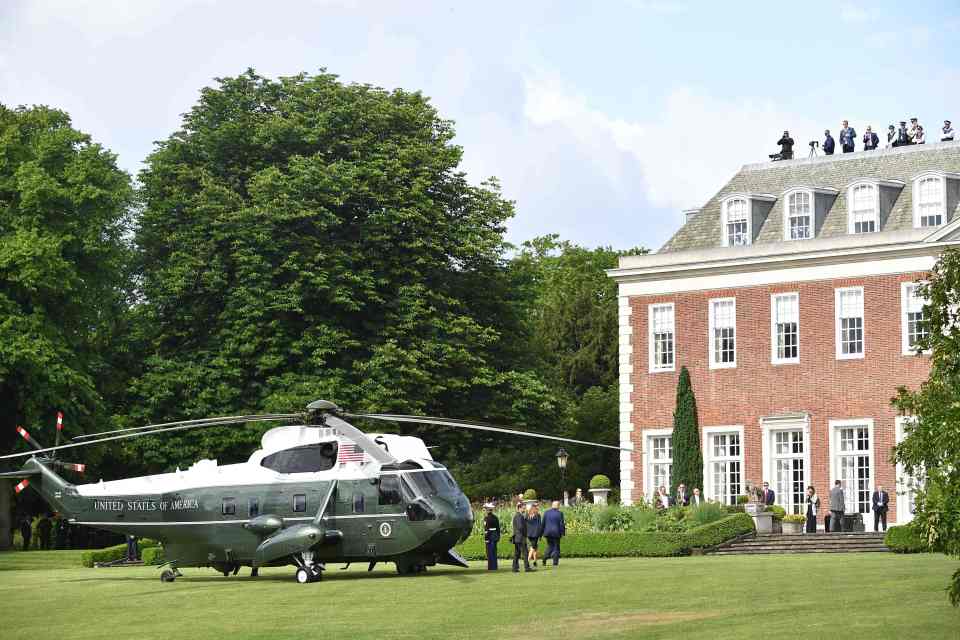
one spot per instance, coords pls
(881, 503)
(491, 535)
(519, 538)
(554, 528)
(534, 531)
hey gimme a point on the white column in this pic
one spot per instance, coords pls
(626, 404)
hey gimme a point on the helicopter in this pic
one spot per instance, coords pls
(317, 492)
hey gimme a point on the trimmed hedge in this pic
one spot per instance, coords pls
(153, 556)
(905, 539)
(111, 554)
(629, 543)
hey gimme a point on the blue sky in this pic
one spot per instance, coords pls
(603, 121)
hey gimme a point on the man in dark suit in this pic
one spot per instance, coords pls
(682, 498)
(554, 528)
(769, 496)
(881, 503)
(696, 499)
(519, 539)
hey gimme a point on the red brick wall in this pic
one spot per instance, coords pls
(819, 384)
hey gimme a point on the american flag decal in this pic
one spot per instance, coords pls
(350, 452)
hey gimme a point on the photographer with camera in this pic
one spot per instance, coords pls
(848, 137)
(870, 140)
(828, 143)
(786, 148)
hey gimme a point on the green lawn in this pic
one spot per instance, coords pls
(810, 596)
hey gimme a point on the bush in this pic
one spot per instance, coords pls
(705, 514)
(778, 511)
(795, 517)
(153, 556)
(629, 543)
(743, 499)
(599, 481)
(529, 494)
(613, 518)
(114, 553)
(905, 539)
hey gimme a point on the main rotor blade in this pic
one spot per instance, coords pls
(479, 426)
(124, 436)
(198, 422)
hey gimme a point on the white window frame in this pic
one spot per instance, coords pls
(725, 205)
(648, 435)
(906, 349)
(904, 483)
(834, 448)
(851, 225)
(709, 491)
(774, 358)
(837, 331)
(812, 214)
(776, 424)
(651, 347)
(711, 341)
(942, 179)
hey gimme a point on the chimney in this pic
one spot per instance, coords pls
(690, 214)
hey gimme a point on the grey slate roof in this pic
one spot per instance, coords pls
(830, 172)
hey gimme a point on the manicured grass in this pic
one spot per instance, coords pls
(876, 595)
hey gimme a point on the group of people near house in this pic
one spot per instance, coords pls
(527, 528)
(833, 519)
(895, 137)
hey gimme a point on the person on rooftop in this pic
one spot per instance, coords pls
(946, 134)
(870, 140)
(786, 148)
(918, 136)
(848, 137)
(903, 136)
(891, 136)
(914, 125)
(829, 144)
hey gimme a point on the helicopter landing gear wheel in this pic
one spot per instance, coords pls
(303, 576)
(410, 568)
(168, 576)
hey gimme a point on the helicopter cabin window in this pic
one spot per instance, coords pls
(253, 507)
(309, 458)
(389, 489)
(300, 502)
(229, 507)
(358, 503)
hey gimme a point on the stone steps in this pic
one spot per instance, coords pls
(866, 542)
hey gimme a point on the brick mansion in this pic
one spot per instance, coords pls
(790, 296)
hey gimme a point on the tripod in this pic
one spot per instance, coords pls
(814, 146)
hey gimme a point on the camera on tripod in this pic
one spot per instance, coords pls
(814, 143)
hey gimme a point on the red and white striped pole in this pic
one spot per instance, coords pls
(23, 485)
(59, 420)
(26, 436)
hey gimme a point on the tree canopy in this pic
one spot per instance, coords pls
(302, 238)
(930, 450)
(64, 273)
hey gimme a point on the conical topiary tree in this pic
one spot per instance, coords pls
(687, 457)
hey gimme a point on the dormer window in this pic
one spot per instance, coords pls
(935, 195)
(736, 223)
(864, 207)
(799, 216)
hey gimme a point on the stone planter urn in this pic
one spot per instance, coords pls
(763, 521)
(792, 528)
(600, 495)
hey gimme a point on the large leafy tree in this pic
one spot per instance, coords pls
(304, 238)
(64, 209)
(687, 456)
(930, 450)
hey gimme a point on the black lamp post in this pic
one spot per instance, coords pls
(562, 463)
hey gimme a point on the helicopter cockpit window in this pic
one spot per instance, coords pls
(229, 507)
(309, 458)
(389, 489)
(358, 503)
(300, 502)
(431, 483)
(254, 507)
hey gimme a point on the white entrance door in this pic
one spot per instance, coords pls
(789, 475)
(854, 468)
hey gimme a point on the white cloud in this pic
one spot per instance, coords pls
(854, 14)
(683, 158)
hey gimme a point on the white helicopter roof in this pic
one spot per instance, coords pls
(206, 473)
